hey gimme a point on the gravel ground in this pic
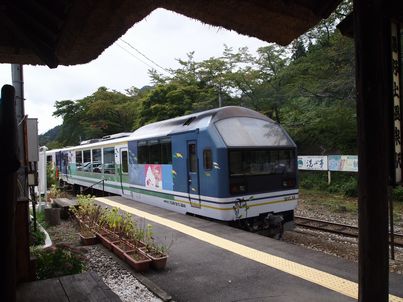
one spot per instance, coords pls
(121, 281)
(97, 259)
(333, 244)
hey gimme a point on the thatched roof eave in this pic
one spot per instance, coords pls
(69, 32)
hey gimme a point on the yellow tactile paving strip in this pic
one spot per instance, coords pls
(340, 285)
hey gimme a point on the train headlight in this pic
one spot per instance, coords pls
(238, 188)
(289, 182)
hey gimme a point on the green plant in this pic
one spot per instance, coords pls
(36, 237)
(50, 175)
(40, 218)
(88, 213)
(397, 194)
(152, 246)
(55, 192)
(114, 220)
(341, 182)
(128, 224)
(148, 236)
(57, 262)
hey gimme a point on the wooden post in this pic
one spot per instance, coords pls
(373, 76)
(8, 187)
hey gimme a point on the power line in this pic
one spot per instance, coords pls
(156, 64)
(152, 67)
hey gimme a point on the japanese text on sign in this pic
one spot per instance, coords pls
(397, 141)
(314, 162)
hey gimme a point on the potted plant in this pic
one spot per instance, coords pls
(87, 236)
(87, 213)
(121, 247)
(137, 260)
(156, 252)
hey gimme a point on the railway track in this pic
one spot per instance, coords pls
(337, 228)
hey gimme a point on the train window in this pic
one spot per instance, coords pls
(108, 166)
(124, 162)
(245, 131)
(207, 159)
(285, 159)
(154, 152)
(96, 160)
(259, 162)
(166, 151)
(86, 158)
(79, 160)
(142, 152)
(192, 158)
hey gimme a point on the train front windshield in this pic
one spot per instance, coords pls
(261, 155)
(261, 171)
(261, 162)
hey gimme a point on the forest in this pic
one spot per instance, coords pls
(307, 86)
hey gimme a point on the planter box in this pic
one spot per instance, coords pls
(88, 239)
(137, 244)
(158, 260)
(108, 239)
(122, 247)
(137, 260)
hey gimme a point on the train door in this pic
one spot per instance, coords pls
(124, 170)
(193, 174)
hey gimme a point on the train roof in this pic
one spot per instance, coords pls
(230, 122)
(96, 143)
(238, 126)
(194, 121)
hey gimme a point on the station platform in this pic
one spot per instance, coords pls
(210, 261)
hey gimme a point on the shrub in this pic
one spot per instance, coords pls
(36, 237)
(397, 194)
(341, 182)
(55, 192)
(50, 175)
(56, 262)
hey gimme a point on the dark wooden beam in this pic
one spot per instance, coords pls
(373, 81)
(8, 189)
(346, 26)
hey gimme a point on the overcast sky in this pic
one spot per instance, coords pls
(163, 37)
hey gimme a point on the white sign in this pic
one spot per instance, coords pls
(314, 162)
(345, 163)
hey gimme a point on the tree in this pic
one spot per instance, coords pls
(102, 113)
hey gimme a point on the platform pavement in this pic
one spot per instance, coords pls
(202, 271)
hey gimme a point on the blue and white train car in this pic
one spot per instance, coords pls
(229, 164)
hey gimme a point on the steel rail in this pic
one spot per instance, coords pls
(337, 228)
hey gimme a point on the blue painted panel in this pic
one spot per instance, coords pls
(179, 163)
(214, 182)
(137, 174)
(167, 177)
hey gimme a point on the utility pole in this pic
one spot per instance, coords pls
(22, 208)
(219, 97)
(18, 83)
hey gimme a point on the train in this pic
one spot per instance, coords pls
(229, 164)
